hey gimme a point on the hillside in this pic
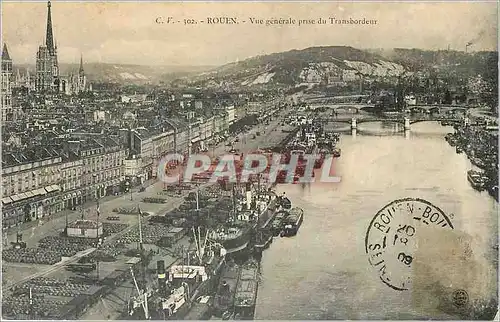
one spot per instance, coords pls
(339, 63)
(126, 74)
(311, 65)
(417, 59)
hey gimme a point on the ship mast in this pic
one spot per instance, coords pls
(32, 311)
(234, 202)
(198, 201)
(142, 296)
(201, 246)
(258, 186)
(141, 252)
(139, 215)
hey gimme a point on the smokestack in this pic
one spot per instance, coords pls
(467, 45)
(162, 280)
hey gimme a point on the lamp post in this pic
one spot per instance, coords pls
(98, 213)
(129, 186)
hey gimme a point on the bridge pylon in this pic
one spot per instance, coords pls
(407, 123)
(353, 124)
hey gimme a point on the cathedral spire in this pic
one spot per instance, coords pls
(5, 52)
(49, 37)
(81, 64)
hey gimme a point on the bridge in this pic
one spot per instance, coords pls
(359, 106)
(406, 121)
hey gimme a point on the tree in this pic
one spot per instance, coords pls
(447, 97)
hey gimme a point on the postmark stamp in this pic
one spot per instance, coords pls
(390, 240)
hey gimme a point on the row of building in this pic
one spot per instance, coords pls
(77, 166)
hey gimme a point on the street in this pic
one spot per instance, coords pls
(16, 273)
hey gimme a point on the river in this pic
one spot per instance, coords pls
(324, 273)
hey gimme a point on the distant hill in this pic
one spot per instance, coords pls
(303, 66)
(317, 64)
(119, 73)
(418, 59)
(297, 67)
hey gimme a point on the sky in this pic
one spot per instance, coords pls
(128, 32)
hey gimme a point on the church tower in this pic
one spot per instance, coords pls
(47, 67)
(6, 86)
(82, 79)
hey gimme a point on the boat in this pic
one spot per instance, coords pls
(284, 202)
(224, 297)
(189, 282)
(246, 291)
(477, 162)
(323, 154)
(263, 239)
(476, 180)
(493, 191)
(250, 214)
(192, 280)
(292, 222)
(277, 222)
(234, 238)
(318, 163)
(201, 309)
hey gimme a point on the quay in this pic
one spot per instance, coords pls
(122, 237)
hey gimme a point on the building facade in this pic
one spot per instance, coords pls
(103, 166)
(147, 149)
(31, 184)
(71, 182)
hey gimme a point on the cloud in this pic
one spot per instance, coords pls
(127, 32)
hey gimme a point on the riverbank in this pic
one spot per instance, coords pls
(481, 147)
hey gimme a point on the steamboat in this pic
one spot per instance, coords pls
(249, 214)
(183, 285)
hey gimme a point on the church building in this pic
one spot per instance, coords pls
(48, 78)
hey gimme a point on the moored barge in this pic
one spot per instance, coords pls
(476, 180)
(277, 223)
(246, 291)
(292, 222)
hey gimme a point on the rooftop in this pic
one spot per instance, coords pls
(84, 224)
(31, 154)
